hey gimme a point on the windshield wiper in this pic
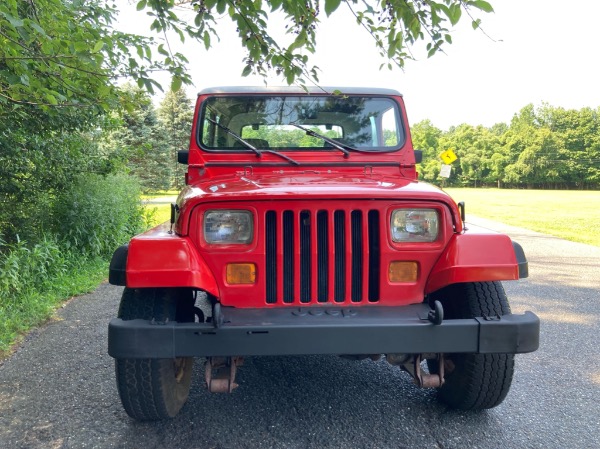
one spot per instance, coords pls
(283, 156)
(248, 145)
(331, 142)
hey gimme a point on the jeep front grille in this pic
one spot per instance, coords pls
(322, 256)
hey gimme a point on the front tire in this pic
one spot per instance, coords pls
(153, 389)
(474, 381)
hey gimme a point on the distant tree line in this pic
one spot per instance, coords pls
(545, 147)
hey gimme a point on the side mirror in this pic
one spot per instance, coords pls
(182, 156)
(418, 156)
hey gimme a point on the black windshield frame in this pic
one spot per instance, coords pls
(356, 114)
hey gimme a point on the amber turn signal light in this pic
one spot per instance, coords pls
(241, 273)
(403, 271)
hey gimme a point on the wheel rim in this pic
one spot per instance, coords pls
(179, 367)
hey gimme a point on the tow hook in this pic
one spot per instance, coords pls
(217, 316)
(436, 315)
(411, 363)
(219, 373)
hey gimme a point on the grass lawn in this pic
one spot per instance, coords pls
(569, 214)
(159, 213)
(159, 193)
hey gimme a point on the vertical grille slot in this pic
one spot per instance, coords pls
(288, 256)
(271, 256)
(374, 256)
(305, 259)
(357, 255)
(339, 219)
(322, 256)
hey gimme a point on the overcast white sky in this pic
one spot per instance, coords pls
(543, 51)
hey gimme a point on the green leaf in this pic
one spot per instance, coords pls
(454, 13)
(141, 5)
(47, 46)
(206, 39)
(148, 85)
(476, 23)
(99, 46)
(275, 4)
(331, 6)
(181, 35)
(247, 70)
(162, 51)
(255, 53)
(37, 28)
(290, 78)
(391, 51)
(483, 5)
(176, 84)
(444, 9)
(51, 99)
(13, 21)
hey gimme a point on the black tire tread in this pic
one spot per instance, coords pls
(147, 387)
(478, 381)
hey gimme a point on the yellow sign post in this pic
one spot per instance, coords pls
(448, 156)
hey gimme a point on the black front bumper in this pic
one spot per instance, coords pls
(293, 331)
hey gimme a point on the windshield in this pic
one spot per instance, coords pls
(281, 123)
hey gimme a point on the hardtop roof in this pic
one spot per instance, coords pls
(324, 90)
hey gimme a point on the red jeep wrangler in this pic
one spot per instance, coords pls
(303, 230)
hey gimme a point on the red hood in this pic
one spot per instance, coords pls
(317, 186)
(311, 185)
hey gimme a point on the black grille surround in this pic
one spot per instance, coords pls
(322, 256)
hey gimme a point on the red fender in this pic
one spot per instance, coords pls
(158, 258)
(474, 256)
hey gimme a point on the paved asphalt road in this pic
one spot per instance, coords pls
(58, 390)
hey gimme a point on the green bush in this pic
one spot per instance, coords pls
(24, 268)
(99, 213)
